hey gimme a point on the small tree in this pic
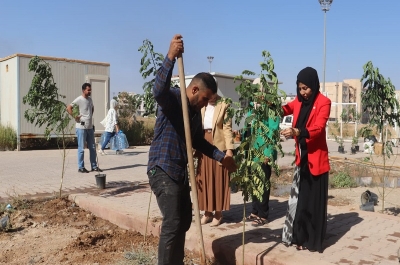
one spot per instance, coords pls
(337, 135)
(266, 103)
(379, 100)
(47, 108)
(127, 104)
(150, 63)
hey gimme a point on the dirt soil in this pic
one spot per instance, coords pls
(56, 231)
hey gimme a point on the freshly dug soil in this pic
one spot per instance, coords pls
(56, 231)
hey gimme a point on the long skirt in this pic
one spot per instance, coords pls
(212, 180)
(306, 218)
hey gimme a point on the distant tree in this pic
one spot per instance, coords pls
(127, 104)
(150, 62)
(47, 108)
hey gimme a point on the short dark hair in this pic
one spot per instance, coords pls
(208, 81)
(86, 85)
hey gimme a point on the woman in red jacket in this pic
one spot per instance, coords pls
(306, 218)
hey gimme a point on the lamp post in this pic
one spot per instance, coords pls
(325, 5)
(210, 59)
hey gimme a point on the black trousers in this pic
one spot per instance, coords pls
(176, 208)
(261, 208)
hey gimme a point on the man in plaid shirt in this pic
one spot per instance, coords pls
(167, 167)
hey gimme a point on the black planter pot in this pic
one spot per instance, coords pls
(100, 181)
(341, 149)
(357, 147)
(353, 150)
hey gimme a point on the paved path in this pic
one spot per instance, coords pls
(354, 237)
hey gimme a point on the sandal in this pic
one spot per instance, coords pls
(206, 219)
(251, 218)
(301, 248)
(259, 222)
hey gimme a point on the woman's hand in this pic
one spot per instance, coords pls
(229, 163)
(290, 132)
(229, 152)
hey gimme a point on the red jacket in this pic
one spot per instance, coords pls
(317, 147)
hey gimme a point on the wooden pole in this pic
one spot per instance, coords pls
(189, 151)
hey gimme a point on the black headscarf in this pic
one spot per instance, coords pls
(309, 77)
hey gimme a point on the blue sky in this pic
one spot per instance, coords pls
(234, 32)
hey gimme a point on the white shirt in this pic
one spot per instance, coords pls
(85, 106)
(208, 117)
(111, 120)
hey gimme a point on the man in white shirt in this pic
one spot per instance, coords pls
(84, 127)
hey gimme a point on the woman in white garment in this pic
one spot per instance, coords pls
(111, 126)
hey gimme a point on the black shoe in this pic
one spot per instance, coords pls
(83, 170)
(97, 169)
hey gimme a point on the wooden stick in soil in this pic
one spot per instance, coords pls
(244, 229)
(190, 157)
(147, 219)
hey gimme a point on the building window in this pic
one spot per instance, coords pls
(6, 67)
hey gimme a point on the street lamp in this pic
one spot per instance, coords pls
(325, 5)
(210, 59)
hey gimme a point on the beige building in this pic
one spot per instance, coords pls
(344, 95)
(289, 98)
(69, 75)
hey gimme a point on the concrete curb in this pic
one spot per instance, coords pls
(108, 211)
(222, 249)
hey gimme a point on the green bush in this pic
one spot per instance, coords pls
(342, 179)
(139, 132)
(8, 138)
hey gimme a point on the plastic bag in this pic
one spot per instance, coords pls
(104, 122)
(119, 141)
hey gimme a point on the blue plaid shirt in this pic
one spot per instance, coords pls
(168, 149)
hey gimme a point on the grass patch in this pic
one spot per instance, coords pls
(342, 179)
(141, 254)
(8, 138)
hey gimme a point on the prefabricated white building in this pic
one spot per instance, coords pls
(69, 75)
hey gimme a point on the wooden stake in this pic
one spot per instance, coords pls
(190, 157)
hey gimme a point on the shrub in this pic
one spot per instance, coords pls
(8, 138)
(138, 132)
(342, 179)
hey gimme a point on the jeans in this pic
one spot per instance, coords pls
(261, 209)
(86, 135)
(173, 199)
(107, 138)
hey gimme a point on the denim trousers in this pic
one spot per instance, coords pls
(107, 138)
(86, 135)
(261, 208)
(173, 199)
